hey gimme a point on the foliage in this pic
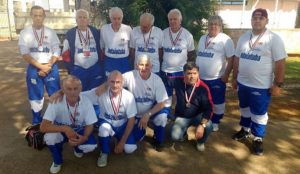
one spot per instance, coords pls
(194, 12)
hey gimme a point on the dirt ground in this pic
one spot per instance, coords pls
(222, 155)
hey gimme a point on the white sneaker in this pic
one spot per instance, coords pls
(215, 127)
(200, 147)
(102, 160)
(78, 154)
(55, 168)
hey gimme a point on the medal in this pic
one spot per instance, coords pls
(73, 116)
(146, 42)
(40, 48)
(252, 46)
(85, 42)
(115, 106)
(208, 41)
(39, 40)
(188, 99)
(174, 42)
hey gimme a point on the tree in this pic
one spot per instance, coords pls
(194, 12)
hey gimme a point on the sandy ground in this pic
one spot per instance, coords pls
(222, 155)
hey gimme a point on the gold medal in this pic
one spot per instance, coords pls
(188, 105)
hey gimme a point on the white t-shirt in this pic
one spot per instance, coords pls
(146, 92)
(151, 40)
(212, 60)
(175, 56)
(79, 58)
(28, 43)
(60, 114)
(127, 107)
(256, 65)
(116, 44)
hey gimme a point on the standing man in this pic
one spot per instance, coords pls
(117, 117)
(257, 51)
(115, 43)
(70, 120)
(39, 46)
(81, 52)
(178, 48)
(150, 96)
(215, 60)
(194, 106)
(147, 39)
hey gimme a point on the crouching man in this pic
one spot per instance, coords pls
(69, 120)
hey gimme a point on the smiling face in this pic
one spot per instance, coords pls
(144, 67)
(174, 21)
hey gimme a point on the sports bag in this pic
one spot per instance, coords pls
(34, 137)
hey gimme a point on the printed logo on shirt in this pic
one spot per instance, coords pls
(148, 50)
(143, 100)
(171, 50)
(36, 50)
(205, 54)
(116, 51)
(248, 56)
(80, 50)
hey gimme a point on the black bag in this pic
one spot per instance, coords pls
(35, 137)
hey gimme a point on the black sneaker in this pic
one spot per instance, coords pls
(156, 145)
(242, 134)
(257, 146)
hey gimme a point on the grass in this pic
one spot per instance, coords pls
(292, 70)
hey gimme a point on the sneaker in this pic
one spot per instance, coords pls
(200, 147)
(55, 168)
(102, 160)
(215, 127)
(242, 134)
(257, 146)
(78, 154)
(156, 145)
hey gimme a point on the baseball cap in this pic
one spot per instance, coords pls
(260, 12)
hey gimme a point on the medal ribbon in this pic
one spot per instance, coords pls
(86, 40)
(114, 106)
(252, 46)
(208, 41)
(146, 43)
(188, 99)
(41, 39)
(72, 116)
(177, 37)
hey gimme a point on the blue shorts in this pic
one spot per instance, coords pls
(217, 90)
(120, 64)
(169, 80)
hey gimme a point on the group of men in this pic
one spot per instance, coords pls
(153, 65)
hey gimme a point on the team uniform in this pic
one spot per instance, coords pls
(147, 93)
(211, 59)
(112, 124)
(255, 76)
(189, 113)
(148, 43)
(77, 118)
(116, 45)
(41, 45)
(81, 54)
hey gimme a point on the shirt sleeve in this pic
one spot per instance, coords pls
(160, 92)
(102, 44)
(131, 110)
(229, 47)
(22, 44)
(278, 49)
(191, 45)
(207, 103)
(89, 112)
(91, 95)
(55, 44)
(50, 113)
(132, 39)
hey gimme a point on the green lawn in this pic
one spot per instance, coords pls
(292, 71)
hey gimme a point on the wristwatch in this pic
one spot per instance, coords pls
(279, 84)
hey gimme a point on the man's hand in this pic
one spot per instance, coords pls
(78, 140)
(42, 73)
(275, 90)
(46, 68)
(119, 147)
(56, 97)
(199, 132)
(70, 133)
(144, 121)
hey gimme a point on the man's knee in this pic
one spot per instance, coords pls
(161, 120)
(130, 148)
(53, 138)
(105, 130)
(176, 132)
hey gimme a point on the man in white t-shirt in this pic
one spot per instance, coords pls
(39, 46)
(70, 120)
(150, 96)
(178, 48)
(257, 51)
(215, 58)
(147, 39)
(117, 117)
(115, 42)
